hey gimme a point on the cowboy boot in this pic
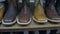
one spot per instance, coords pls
(2, 9)
(58, 6)
(10, 15)
(39, 15)
(24, 15)
(51, 11)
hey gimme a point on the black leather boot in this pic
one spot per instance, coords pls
(10, 15)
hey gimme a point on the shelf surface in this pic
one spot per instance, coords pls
(32, 26)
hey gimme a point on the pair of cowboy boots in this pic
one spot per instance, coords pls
(51, 11)
(10, 15)
(39, 14)
(2, 9)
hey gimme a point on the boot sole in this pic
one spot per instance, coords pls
(11, 23)
(23, 23)
(42, 21)
(54, 20)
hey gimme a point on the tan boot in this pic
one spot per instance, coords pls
(2, 10)
(39, 15)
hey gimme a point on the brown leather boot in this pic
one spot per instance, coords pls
(24, 15)
(51, 11)
(39, 15)
(2, 9)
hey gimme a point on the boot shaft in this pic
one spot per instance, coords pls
(25, 8)
(37, 2)
(50, 2)
(25, 3)
(12, 3)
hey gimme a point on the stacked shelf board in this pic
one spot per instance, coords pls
(31, 27)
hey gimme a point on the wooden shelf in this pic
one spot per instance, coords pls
(31, 27)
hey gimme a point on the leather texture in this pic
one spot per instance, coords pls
(39, 14)
(24, 15)
(11, 12)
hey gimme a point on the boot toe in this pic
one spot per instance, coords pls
(23, 21)
(7, 20)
